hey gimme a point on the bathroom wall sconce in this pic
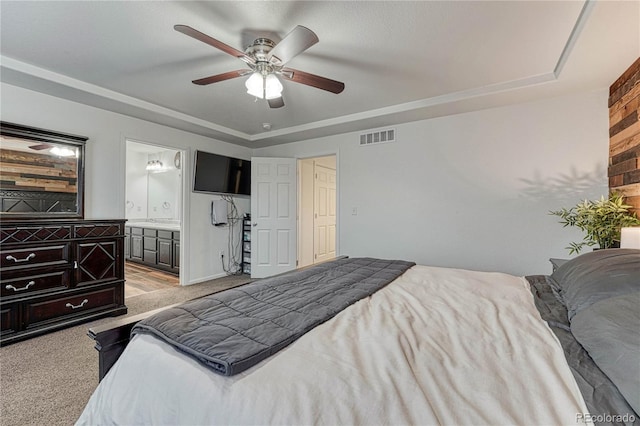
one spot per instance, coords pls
(154, 166)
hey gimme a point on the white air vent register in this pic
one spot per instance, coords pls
(378, 136)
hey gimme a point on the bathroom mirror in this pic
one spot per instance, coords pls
(41, 173)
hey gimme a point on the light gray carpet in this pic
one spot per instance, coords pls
(49, 379)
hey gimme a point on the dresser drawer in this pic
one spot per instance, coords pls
(76, 304)
(20, 258)
(16, 284)
(9, 319)
(56, 273)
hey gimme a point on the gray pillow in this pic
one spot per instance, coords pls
(610, 331)
(596, 276)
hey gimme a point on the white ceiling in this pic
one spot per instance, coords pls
(400, 61)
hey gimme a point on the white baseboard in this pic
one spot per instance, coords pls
(203, 279)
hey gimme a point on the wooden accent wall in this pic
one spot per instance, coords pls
(624, 135)
(26, 171)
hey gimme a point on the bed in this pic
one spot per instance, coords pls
(433, 346)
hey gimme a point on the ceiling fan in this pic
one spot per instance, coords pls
(40, 146)
(266, 61)
(60, 151)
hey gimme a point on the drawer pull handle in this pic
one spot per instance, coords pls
(69, 305)
(29, 284)
(26, 259)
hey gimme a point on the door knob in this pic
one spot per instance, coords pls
(255, 224)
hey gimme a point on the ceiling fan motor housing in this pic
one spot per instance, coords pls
(260, 49)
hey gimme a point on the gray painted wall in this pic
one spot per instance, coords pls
(472, 190)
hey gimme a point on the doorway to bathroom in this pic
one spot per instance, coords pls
(153, 209)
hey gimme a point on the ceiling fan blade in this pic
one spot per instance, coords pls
(187, 30)
(40, 146)
(297, 41)
(221, 77)
(313, 80)
(276, 103)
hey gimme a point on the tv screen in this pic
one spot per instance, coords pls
(220, 174)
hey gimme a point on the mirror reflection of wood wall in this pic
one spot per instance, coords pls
(32, 171)
(41, 173)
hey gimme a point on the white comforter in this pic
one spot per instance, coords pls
(436, 346)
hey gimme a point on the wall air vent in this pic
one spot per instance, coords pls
(378, 136)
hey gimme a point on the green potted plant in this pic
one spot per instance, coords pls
(601, 220)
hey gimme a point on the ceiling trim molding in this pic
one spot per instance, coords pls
(100, 92)
(573, 37)
(414, 105)
(453, 96)
(54, 77)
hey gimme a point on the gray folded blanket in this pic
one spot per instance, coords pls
(235, 329)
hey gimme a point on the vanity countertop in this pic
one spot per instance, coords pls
(166, 226)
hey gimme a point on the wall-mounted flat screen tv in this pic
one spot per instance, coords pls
(219, 174)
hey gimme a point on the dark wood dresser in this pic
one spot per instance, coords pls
(56, 273)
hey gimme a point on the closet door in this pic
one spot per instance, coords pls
(324, 222)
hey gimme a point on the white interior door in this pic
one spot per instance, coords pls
(324, 223)
(273, 216)
(306, 203)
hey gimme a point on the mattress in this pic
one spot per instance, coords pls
(436, 346)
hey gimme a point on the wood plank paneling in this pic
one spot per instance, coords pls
(628, 97)
(36, 172)
(624, 135)
(625, 76)
(626, 122)
(625, 88)
(623, 167)
(617, 116)
(633, 152)
(632, 190)
(616, 148)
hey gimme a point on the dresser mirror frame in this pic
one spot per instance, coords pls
(36, 183)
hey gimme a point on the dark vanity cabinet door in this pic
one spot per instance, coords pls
(158, 248)
(127, 242)
(176, 252)
(165, 248)
(136, 244)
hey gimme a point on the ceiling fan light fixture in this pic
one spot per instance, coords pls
(255, 84)
(62, 151)
(272, 87)
(264, 87)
